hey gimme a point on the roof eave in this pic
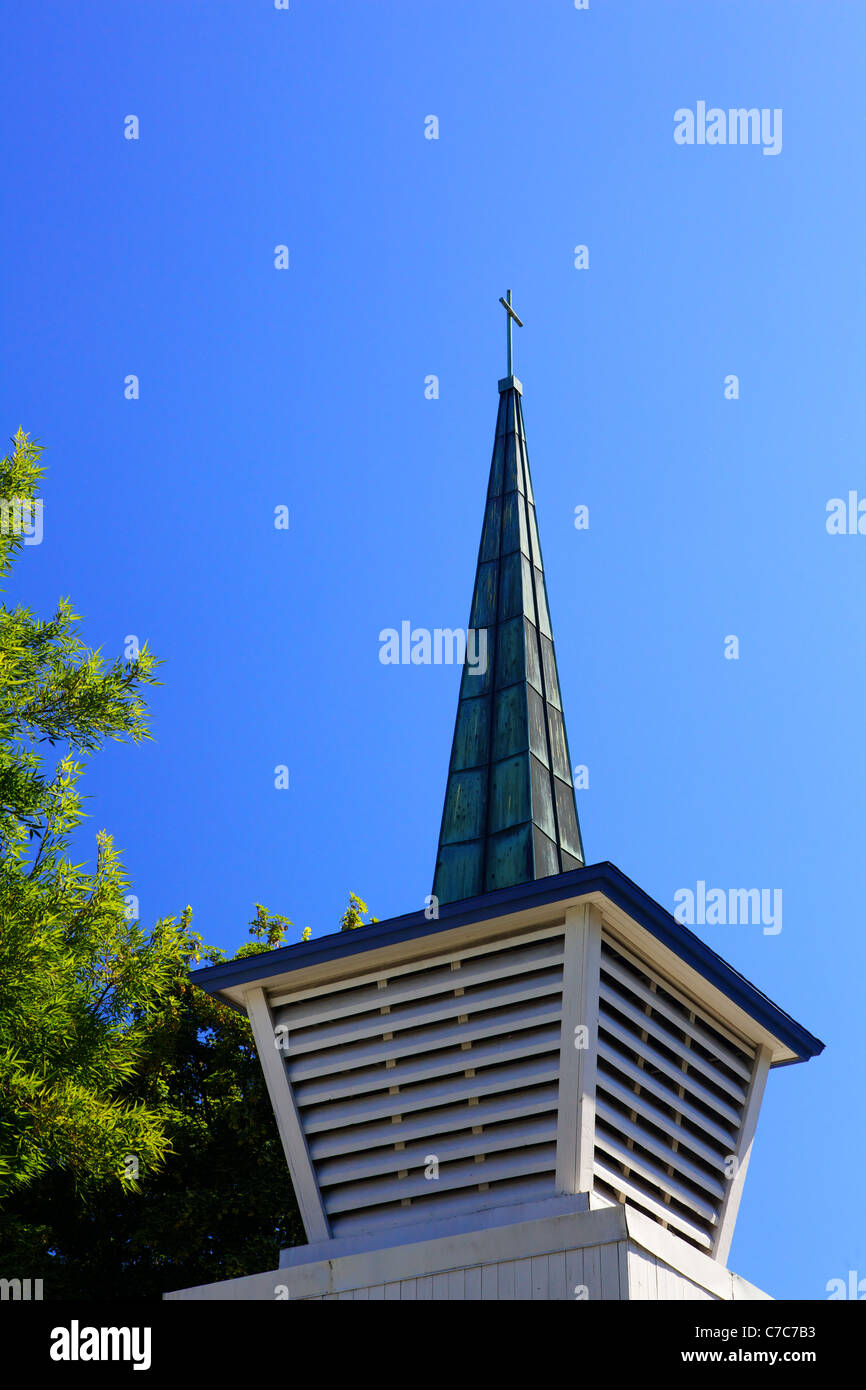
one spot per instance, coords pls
(604, 878)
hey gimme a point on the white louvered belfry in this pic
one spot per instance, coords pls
(433, 1088)
(544, 1082)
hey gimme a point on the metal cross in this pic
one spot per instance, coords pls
(512, 317)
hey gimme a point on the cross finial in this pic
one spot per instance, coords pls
(511, 317)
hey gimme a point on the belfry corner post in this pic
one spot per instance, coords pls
(551, 1090)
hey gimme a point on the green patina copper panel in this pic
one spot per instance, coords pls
(494, 487)
(509, 858)
(484, 600)
(509, 793)
(566, 814)
(460, 872)
(509, 722)
(491, 531)
(511, 586)
(533, 669)
(472, 734)
(478, 680)
(537, 726)
(542, 797)
(465, 802)
(558, 748)
(528, 599)
(514, 535)
(546, 854)
(541, 598)
(530, 496)
(551, 678)
(535, 544)
(510, 659)
(512, 479)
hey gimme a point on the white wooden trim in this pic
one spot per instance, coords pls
(693, 1264)
(577, 1066)
(288, 1123)
(731, 1203)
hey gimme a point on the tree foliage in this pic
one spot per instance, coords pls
(138, 1149)
(219, 1207)
(80, 982)
(355, 913)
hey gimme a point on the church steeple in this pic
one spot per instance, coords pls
(510, 814)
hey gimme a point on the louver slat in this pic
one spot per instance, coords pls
(443, 1062)
(714, 1187)
(655, 1175)
(457, 959)
(540, 1130)
(327, 1063)
(512, 1078)
(368, 1025)
(458, 1203)
(663, 1035)
(680, 1078)
(647, 1202)
(664, 1093)
(652, 1115)
(742, 1065)
(451, 1176)
(407, 988)
(448, 1119)
(669, 1099)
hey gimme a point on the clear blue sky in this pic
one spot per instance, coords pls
(305, 388)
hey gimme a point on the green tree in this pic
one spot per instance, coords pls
(220, 1206)
(80, 982)
(138, 1150)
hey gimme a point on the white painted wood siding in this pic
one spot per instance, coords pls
(650, 1278)
(580, 1276)
(607, 1253)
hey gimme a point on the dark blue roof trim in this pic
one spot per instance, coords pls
(603, 878)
